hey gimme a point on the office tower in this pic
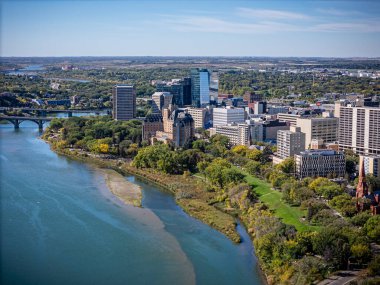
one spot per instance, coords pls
(200, 87)
(319, 128)
(238, 134)
(290, 142)
(124, 102)
(161, 100)
(228, 115)
(359, 129)
(179, 88)
(186, 83)
(320, 163)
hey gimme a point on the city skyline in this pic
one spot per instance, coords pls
(184, 28)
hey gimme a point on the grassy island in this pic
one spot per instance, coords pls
(298, 236)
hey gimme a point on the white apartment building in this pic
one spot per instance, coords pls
(228, 115)
(320, 163)
(238, 134)
(290, 142)
(319, 128)
(359, 129)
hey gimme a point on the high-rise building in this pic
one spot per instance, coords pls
(238, 134)
(186, 83)
(124, 102)
(179, 88)
(320, 163)
(161, 100)
(200, 87)
(224, 116)
(319, 128)
(290, 142)
(359, 129)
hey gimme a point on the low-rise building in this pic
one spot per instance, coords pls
(238, 134)
(320, 163)
(229, 115)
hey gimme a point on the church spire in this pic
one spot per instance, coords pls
(362, 187)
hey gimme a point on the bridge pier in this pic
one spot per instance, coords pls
(40, 125)
(16, 123)
(70, 114)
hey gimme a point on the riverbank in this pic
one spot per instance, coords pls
(192, 202)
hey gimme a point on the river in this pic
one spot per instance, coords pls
(61, 225)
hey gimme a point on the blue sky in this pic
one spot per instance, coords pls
(194, 28)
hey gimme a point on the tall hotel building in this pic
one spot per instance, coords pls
(359, 129)
(124, 102)
(200, 87)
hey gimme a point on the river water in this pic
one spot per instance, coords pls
(61, 225)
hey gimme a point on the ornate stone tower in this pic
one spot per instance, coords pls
(362, 188)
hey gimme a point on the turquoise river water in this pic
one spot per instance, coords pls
(61, 225)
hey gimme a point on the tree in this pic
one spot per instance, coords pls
(361, 252)
(287, 165)
(372, 228)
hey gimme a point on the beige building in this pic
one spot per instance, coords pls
(290, 142)
(359, 129)
(238, 134)
(289, 118)
(320, 163)
(371, 165)
(325, 129)
(161, 100)
(178, 127)
(199, 116)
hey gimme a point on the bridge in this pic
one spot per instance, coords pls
(43, 112)
(16, 121)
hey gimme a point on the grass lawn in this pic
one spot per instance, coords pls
(272, 198)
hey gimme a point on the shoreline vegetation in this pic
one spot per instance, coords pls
(222, 222)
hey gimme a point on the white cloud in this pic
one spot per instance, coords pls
(271, 14)
(215, 25)
(336, 12)
(368, 27)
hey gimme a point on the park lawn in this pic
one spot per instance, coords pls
(272, 198)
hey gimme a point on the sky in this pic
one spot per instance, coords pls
(190, 28)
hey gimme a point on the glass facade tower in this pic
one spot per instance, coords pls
(200, 87)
